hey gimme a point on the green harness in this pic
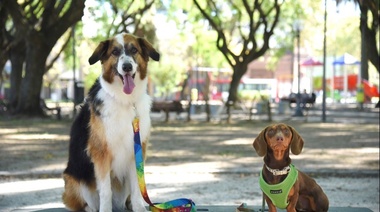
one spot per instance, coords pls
(278, 193)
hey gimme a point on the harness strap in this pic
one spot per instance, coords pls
(278, 193)
(177, 205)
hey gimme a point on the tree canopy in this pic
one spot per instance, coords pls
(32, 29)
(214, 33)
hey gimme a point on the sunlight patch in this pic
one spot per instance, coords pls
(37, 136)
(7, 131)
(30, 186)
(239, 141)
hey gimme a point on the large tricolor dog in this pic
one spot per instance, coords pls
(101, 172)
(282, 184)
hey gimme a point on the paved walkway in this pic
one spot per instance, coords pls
(213, 164)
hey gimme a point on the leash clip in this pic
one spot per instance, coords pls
(136, 124)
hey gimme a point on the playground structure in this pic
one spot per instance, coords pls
(370, 90)
(216, 83)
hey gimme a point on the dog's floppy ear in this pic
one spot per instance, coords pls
(260, 144)
(296, 143)
(148, 50)
(99, 52)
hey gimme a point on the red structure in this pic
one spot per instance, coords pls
(370, 90)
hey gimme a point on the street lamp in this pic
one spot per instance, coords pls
(324, 67)
(297, 25)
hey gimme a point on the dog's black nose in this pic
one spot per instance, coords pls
(127, 67)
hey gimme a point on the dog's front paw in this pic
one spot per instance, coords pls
(138, 208)
(89, 209)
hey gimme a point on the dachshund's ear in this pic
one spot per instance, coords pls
(99, 52)
(260, 144)
(296, 143)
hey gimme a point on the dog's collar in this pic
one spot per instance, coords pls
(277, 172)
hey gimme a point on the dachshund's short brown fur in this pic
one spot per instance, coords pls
(274, 143)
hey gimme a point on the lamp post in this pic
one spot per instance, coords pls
(324, 68)
(74, 77)
(298, 27)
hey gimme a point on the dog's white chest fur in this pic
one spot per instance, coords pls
(117, 116)
(119, 134)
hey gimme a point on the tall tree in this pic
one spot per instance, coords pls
(243, 31)
(369, 27)
(3, 38)
(38, 24)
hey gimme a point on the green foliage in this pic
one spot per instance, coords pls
(194, 46)
(253, 95)
(283, 38)
(195, 34)
(202, 51)
(117, 16)
(166, 77)
(346, 36)
(91, 76)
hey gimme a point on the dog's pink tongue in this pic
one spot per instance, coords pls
(128, 84)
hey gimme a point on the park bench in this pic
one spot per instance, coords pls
(3, 106)
(167, 106)
(306, 102)
(48, 109)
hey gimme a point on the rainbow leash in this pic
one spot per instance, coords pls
(177, 205)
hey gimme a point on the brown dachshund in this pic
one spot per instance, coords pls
(303, 193)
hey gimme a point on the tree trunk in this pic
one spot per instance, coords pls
(29, 97)
(3, 60)
(373, 54)
(369, 45)
(186, 89)
(206, 95)
(239, 70)
(364, 48)
(269, 110)
(17, 57)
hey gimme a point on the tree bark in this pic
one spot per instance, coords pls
(239, 71)
(29, 97)
(206, 95)
(17, 57)
(373, 54)
(369, 50)
(364, 47)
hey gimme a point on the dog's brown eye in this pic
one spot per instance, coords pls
(286, 132)
(271, 132)
(133, 50)
(116, 52)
